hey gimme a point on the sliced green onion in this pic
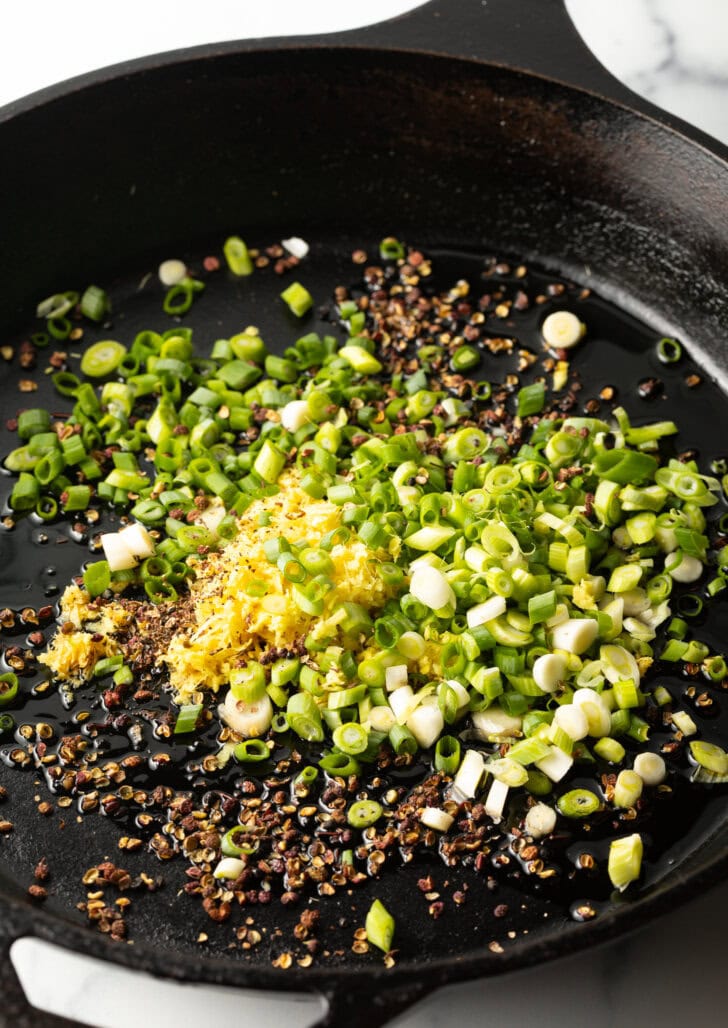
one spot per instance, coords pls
(239, 841)
(380, 925)
(237, 256)
(625, 861)
(94, 303)
(297, 298)
(248, 683)
(26, 492)
(627, 788)
(97, 578)
(304, 717)
(710, 756)
(447, 755)
(8, 688)
(364, 813)
(102, 358)
(669, 351)
(390, 249)
(351, 738)
(252, 751)
(305, 778)
(402, 740)
(531, 399)
(609, 749)
(340, 764)
(187, 718)
(578, 803)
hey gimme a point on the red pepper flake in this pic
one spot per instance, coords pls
(42, 871)
(211, 263)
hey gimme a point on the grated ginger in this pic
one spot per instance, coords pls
(229, 625)
(72, 655)
(221, 625)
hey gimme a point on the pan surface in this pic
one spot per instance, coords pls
(488, 160)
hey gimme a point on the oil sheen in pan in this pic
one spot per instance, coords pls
(456, 904)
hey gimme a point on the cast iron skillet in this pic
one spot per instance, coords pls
(480, 127)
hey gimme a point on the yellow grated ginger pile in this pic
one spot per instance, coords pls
(229, 625)
(222, 625)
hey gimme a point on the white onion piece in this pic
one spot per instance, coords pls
(137, 540)
(575, 635)
(495, 721)
(411, 645)
(294, 415)
(382, 719)
(572, 720)
(561, 614)
(635, 601)
(615, 609)
(436, 818)
(596, 710)
(621, 538)
(429, 586)
(426, 724)
(212, 515)
(296, 246)
(486, 611)
(449, 405)
(172, 272)
(540, 820)
(460, 691)
(656, 615)
(684, 723)
(688, 570)
(496, 799)
(476, 558)
(117, 553)
(650, 767)
(555, 764)
(598, 717)
(562, 330)
(247, 719)
(229, 867)
(639, 629)
(666, 538)
(403, 702)
(548, 670)
(470, 774)
(408, 494)
(508, 771)
(618, 664)
(396, 676)
(586, 695)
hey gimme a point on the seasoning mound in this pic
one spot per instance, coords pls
(240, 604)
(229, 624)
(85, 636)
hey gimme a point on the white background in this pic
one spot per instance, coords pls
(676, 53)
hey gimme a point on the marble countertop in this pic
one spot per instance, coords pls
(672, 52)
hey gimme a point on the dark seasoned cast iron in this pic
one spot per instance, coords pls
(456, 127)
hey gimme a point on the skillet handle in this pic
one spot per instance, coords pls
(529, 35)
(15, 1010)
(371, 1005)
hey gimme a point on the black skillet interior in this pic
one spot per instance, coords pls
(342, 144)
